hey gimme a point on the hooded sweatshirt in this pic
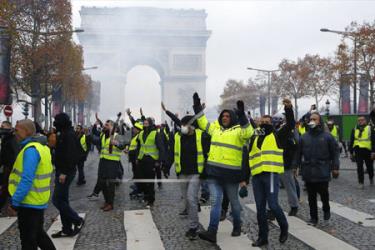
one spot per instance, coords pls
(67, 145)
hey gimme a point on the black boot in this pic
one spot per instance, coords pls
(283, 235)
(293, 211)
(260, 242)
(236, 231)
(208, 236)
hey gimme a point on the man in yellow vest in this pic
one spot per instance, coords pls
(224, 165)
(83, 152)
(151, 155)
(133, 151)
(361, 146)
(266, 164)
(29, 186)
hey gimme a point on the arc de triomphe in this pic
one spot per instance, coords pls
(171, 41)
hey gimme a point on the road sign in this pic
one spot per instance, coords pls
(8, 111)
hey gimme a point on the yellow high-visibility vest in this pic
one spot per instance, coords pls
(301, 130)
(177, 151)
(40, 191)
(226, 144)
(133, 143)
(104, 152)
(267, 159)
(83, 142)
(148, 147)
(365, 140)
(334, 133)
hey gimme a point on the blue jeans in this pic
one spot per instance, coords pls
(266, 190)
(205, 192)
(216, 196)
(60, 200)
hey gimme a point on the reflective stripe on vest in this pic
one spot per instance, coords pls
(365, 140)
(149, 146)
(104, 152)
(83, 142)
(39, 192)
(334, 133)
(133, 143)
(177, 151)
(267, 159)
(226, 149)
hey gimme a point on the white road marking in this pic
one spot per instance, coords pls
(65, 243)
(310, 235)
(141, 231)
(224, 239)
(6, 222)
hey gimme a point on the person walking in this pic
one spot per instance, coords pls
(362, 144)
(320, 158)
(29, 187)
(66, 158)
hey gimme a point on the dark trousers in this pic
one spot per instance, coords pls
(32, 234)
(225, 202)
(81, 173)
(108, 187)
(158, 174)
(266, 190)
(136, 174)
(314, 188)
(60, 200)
(363, 155)
(4, 179)
(98, 187)
(147, 171)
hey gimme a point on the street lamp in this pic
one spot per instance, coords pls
(353, 36)
(327, 107)
(269, 72)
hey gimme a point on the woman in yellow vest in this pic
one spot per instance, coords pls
(266, 160)
(224, 164)
(29, 186)
(361, 146)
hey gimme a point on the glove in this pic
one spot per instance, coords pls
(335, 174)
(240, 112)
(197, 103)
(243, 192)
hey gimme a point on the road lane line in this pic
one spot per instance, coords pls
(310, 235)
(224, 239)
(141, 231)
(65, 243)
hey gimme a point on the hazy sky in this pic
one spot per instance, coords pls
(251, 33)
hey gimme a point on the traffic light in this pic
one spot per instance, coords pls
(25, 110)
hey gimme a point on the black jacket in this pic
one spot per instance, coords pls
(9, 151)
(67, 151)
(319, 155)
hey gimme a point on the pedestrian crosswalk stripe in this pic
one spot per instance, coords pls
(372, 200)
(6, 222)
(141, 231)
(224, 239)
(65, 243)
(353, 215)
(310, 235)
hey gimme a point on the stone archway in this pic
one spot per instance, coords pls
(171, 41)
